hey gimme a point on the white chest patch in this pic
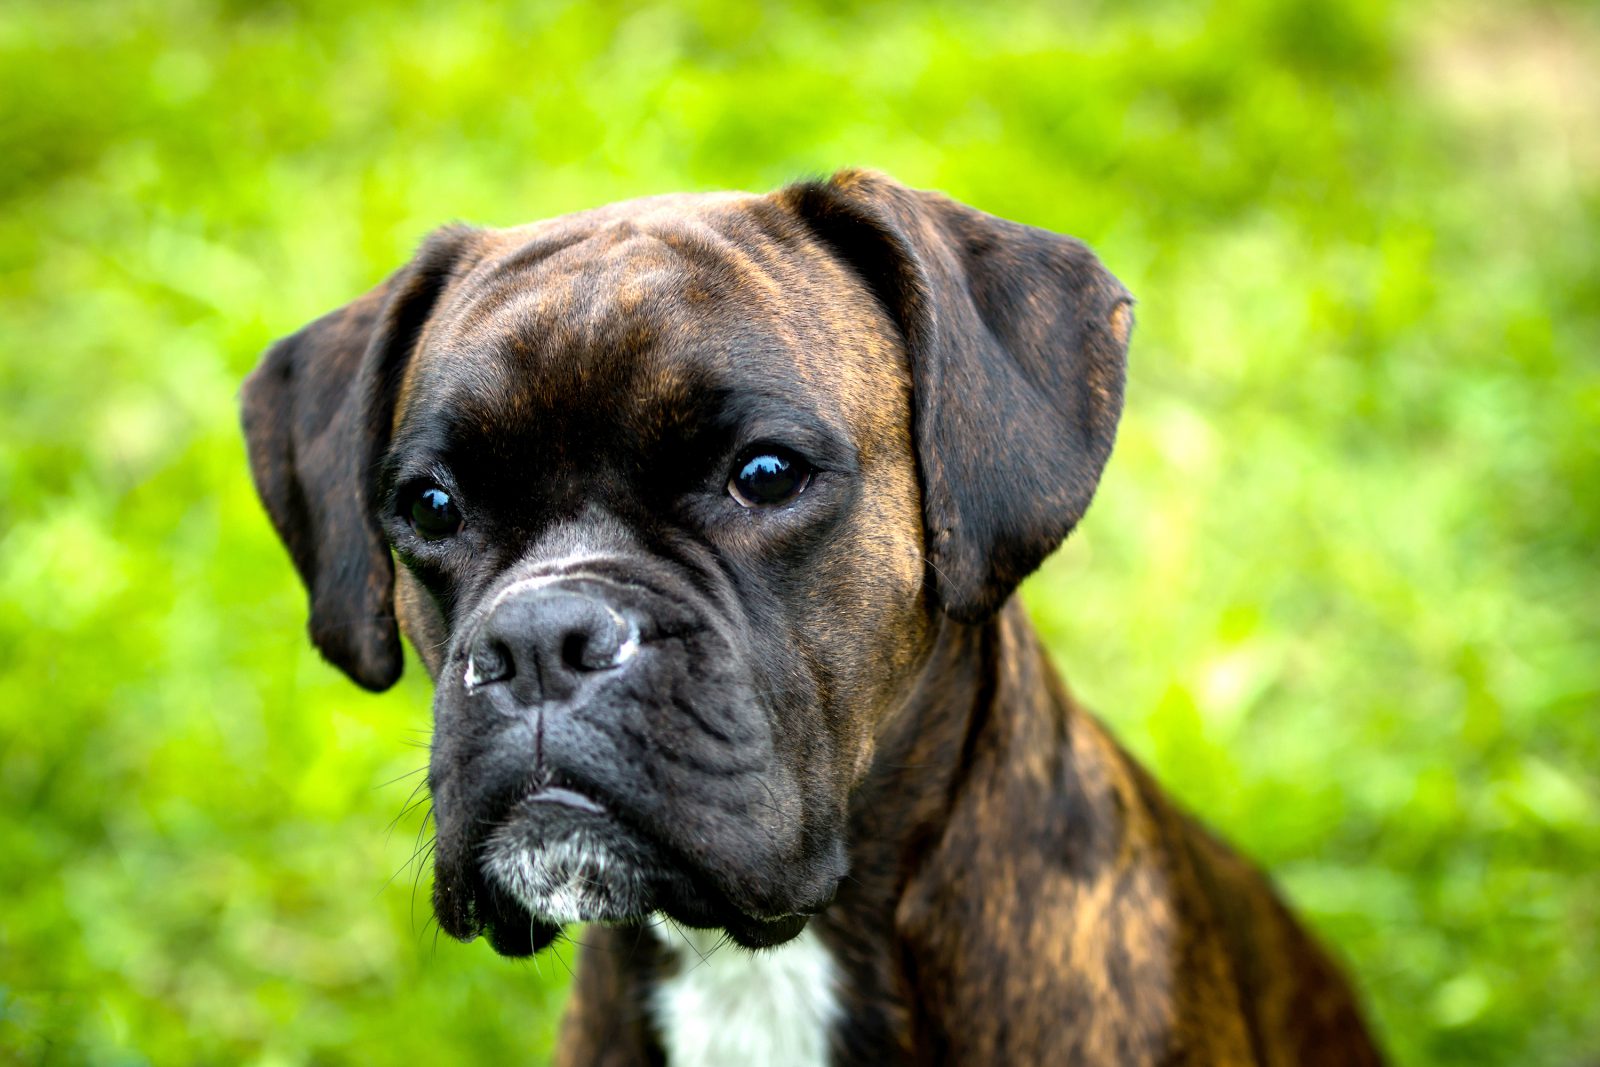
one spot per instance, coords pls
(729, 1007)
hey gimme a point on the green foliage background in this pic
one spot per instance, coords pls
(1339, 588)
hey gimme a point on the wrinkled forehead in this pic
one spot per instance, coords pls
(661, 308)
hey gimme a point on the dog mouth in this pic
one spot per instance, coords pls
(563, 857)
(560, 856)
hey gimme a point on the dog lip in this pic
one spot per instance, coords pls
(569, 798)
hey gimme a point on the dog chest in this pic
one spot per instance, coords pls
(725, 1006)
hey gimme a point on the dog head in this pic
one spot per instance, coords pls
(681, 489)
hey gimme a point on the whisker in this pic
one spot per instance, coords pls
(398, 778)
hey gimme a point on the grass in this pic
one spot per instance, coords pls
(1339, 588)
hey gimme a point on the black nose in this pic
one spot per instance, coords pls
(545, 643)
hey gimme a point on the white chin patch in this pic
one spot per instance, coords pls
(574, 879)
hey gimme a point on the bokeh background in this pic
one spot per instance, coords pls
(1339, 588)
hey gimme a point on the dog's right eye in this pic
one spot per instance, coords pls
(433, 516)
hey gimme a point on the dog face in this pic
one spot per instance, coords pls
(678, 575)
(681, 489)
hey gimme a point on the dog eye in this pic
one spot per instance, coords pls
(433, 516)
(769, 476)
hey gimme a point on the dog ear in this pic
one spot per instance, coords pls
(317, 415)
(1018, 343)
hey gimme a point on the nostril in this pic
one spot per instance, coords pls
(489, 661)
(601, 641)
(578, 652)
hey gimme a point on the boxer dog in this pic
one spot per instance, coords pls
(709, 511)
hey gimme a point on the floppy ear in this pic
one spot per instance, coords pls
(317, 416)
(1018, 343)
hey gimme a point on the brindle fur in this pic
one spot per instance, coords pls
(1006, 884)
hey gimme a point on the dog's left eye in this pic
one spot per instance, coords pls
(433, 515)
(769, 476)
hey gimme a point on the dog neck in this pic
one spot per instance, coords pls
(989, 723)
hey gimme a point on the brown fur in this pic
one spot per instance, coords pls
(1019, 891)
